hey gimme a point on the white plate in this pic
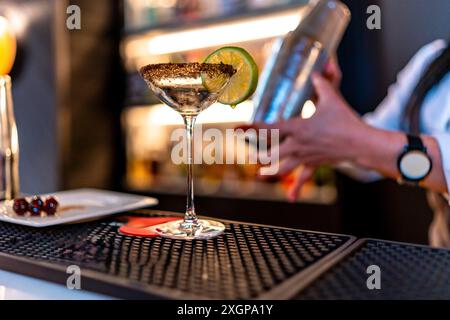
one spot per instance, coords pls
(91, 203)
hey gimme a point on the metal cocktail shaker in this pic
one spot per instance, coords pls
(9, 143)
(285, 83)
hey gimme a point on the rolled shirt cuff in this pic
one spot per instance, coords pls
(444, 145)
(358, 173)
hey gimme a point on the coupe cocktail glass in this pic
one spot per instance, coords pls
(182, 86)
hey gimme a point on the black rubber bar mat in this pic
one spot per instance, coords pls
(246, 262)
(406, 272)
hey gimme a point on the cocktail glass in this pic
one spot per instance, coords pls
(188, 88)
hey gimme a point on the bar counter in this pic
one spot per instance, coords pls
(248, 261)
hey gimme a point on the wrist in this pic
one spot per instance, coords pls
(379, 150)
(361, 151)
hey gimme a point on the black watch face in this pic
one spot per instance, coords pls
(415, 165)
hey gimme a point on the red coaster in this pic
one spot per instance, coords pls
(138, 226)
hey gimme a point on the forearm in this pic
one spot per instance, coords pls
(379, 150)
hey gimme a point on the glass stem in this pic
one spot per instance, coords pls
(190, 216)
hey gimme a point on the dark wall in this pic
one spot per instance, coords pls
(93, 148)
(34, 92)
(359, 59)
(407, 26)
(371, 59)
(68, 120)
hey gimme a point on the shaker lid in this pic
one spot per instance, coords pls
(326, 22)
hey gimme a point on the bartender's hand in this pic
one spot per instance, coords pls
(335, 133)
(333, 73)
(325, 138)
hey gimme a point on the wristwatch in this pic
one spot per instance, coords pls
(414, 163)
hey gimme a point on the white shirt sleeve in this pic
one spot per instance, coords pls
(357, 172)
(389, 114)
(443, 140)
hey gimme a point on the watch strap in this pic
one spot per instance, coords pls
(415, 143)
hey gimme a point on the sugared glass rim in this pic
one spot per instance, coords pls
(191, 70)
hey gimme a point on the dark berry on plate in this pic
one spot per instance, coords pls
(20, 206)
(50, 206)
(36, 206)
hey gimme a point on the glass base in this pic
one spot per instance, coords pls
(204, 229)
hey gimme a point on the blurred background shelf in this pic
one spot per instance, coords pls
(178, 31)
(148, 15)
(178, 40)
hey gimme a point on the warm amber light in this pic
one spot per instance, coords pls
(7, 46)
(250, 29)
(308, 109)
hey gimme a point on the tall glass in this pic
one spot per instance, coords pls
(188, 88)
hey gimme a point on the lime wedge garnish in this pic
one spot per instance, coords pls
(243, 83)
